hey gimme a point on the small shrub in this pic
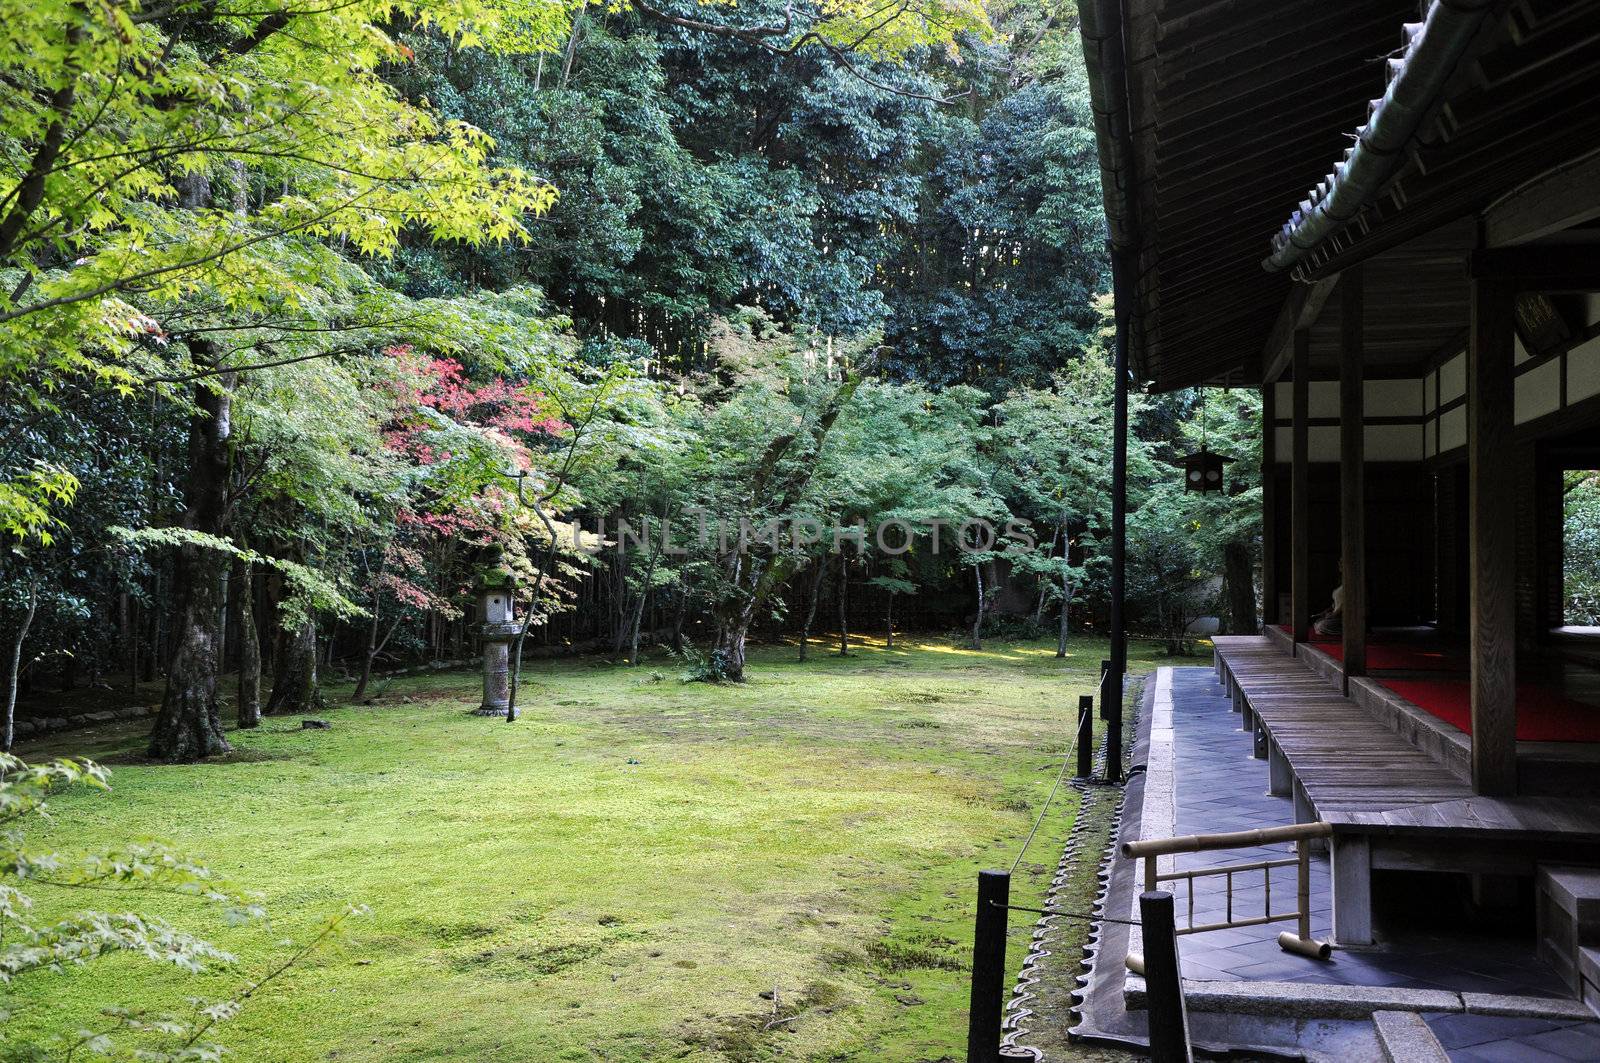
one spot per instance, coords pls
(699, 667)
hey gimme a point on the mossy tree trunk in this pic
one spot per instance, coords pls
(294, 688)
(249, 707)
(189, 726)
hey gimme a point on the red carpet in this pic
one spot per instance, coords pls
(1543, 715)
(1401, 658)
(1392, 657)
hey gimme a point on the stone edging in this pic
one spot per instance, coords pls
(1304, 1001)
(1044, 933)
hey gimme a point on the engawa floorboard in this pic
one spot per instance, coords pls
(1357, 772)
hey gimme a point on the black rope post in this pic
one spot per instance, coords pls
(988, 967)
(1169, 1018)
(1085, 735)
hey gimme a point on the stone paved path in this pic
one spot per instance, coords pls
(1220, 787)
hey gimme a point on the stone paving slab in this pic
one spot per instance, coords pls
(1216, 785)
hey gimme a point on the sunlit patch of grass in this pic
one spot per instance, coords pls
(620, 875)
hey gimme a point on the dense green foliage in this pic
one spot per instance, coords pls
(1580, 554)
(619, 253)
(709, 322)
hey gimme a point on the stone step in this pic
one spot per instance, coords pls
(1404, 1037)
(1568, 909)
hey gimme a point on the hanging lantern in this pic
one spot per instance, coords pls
(1202, 471)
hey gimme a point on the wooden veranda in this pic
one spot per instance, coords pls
(1387, 218)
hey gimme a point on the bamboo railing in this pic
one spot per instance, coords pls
(1301, 834)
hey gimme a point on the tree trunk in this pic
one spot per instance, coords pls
(152, 656)
(1066, 604)
(811, 604)
(134, 621)
(370, 653)
(679, 614)
(294, 688)
(889, 621)
(546, 571)
(844, 606)
(249, 653)
(189, 727)
(977, 621)
(730, 649)
(16, 666)
(644, 591)
(1241, 588)
(1038, 605)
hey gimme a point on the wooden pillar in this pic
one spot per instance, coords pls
(1491, 472)
(1352, 889)
(1352, 475)
(1119, 521)
(1300, 492)
(1269, 503)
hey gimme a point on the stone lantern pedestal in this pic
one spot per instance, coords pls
(495, 587)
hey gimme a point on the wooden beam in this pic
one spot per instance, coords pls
(1300, 492)
(1269, 504)
(1352, 475)
(1551, 202)
(1491, 472)
(1559, 268)
(1302, 307)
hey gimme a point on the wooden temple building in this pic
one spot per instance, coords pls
(1386, 216)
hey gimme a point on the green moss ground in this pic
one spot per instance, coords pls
(620, 875)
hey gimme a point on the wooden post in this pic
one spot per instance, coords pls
(1280, 779)
(1303, 813)
(986, 1010)
(1085, 735)
(1352, 889)
(1300, 492)
(1491, 472)
(1269, 502)
(1168, 1016)
(1121, 266)
(1352, 478)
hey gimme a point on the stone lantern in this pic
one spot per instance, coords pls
(495, 587)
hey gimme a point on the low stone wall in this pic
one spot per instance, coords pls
(40, 726)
